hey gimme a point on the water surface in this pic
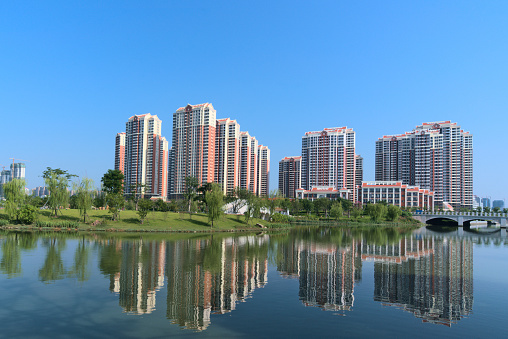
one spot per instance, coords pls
(304, 282)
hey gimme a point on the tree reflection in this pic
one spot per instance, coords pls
(53, 268)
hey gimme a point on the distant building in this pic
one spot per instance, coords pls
(437, 156)
(227, 154)
(498, 203)
(18, 171)
(120, 152)
(248, 162)
(398, 194)
(290, 176)
(326, 192)
(477, 201)
(486, 202)
(328, 160)
(40, 191)
(146, 155)
(263, 172)
(358, 176)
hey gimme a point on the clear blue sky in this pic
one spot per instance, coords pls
(72, 73)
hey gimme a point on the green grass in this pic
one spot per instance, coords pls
(155, 221)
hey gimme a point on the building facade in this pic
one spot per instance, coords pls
(248, 162)
(146, 156)
(398, 194)
(437, 156)
(193, 146)
(328, 160)
(120, 152)
(263, 171)
(227, 154)
(290, 176)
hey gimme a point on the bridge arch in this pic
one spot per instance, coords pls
(438, 220)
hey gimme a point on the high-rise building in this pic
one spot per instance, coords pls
(146, 156)
(290, 176)
(437, 156)
(193, 148)
(486, 202)
(498, 204)
(227, 154)
(358, 176)
(18, 171)
(328, 160)
(120, 152)
(263, 171)
(248, 162)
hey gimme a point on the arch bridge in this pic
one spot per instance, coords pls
(462, 217)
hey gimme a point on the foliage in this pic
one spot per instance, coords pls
(295, 206)
(307, 205)
(160, 205)
(112, 181)
(393, 212)
(214, 202)
(272, 201)
(57, 224)
(281, 218)
(376, 211)
(4, 222)
(57, 181)
(144, 206)
(115, 201)
(35, 201)
(191, 186)
(336, 211)
(99, 200)
(27, 214)
(356, 211)
(84, 196)
(237, 198)
(14, 192)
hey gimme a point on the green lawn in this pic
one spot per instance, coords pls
(155, 221)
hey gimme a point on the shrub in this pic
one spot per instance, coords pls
(27, 214)
(60, 224)
(3, 222)
(281, 218)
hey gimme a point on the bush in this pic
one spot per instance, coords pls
(3, 222)
(60, 224)
(281, 218)
(27, 214)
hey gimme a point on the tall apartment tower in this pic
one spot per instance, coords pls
(18, 170)
(263, 171)
(437, 156)
(328, 160)
(146, 155)
(290, 176)
(120, 152)
(227, 154)
(248, 162)
(359, 175)
(193, 146)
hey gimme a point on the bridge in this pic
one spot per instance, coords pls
(462, 218)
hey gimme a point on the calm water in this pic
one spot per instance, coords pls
(307, 282)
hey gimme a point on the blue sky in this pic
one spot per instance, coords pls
(72, 73)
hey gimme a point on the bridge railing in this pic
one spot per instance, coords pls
(474, 214)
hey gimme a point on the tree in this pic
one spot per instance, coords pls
(112, 184)
(478, 210)
(237, 198)
(307, 205)
(336, 211)
(393, 212)
(505, 210)
(112, 181)
(214, 201)
(356, 211)
(84, 196)
(14, 192)
(486, 210)
(252, 204)
(346, 205)
(144, 206)
(191, 186)
(377, 211)
(496, 209)
(27, 214)
(295, 206)
(115, 202)
(272, 201)
(161, 206)
(57, 181)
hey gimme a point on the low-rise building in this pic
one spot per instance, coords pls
(327, 192)
(398, 194)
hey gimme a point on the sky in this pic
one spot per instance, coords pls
(73, 72)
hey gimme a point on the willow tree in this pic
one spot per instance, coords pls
(84, 196)
(57, 181)
(14, 192)
(214, 202)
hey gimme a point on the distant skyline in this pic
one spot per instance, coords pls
(73, 73)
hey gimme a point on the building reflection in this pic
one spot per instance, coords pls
(211, 276)
(431, 278)
(327, 273)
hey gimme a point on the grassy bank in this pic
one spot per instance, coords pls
(155, 221)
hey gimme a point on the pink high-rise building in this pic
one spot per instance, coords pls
(146, 156)
(328, 160)
(263, 171)
(193, 148)
(120, 152)
(227, 154)
(248, 162)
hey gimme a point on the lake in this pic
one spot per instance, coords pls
(304, 282)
